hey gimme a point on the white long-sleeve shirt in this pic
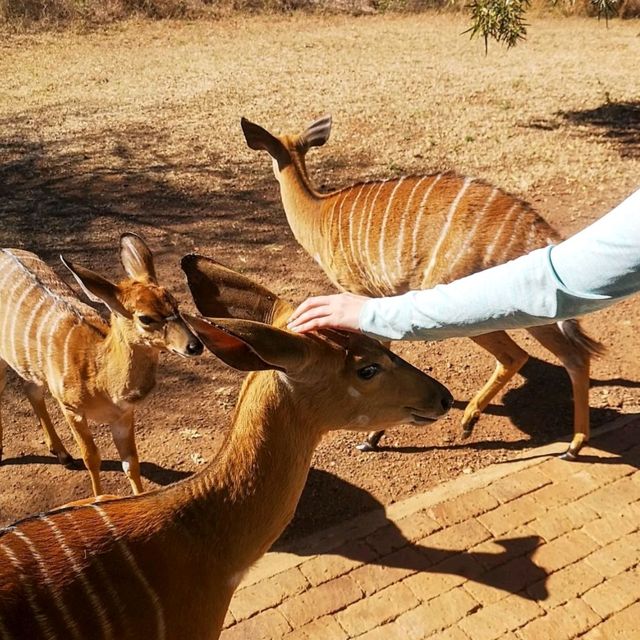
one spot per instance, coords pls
(589, 271)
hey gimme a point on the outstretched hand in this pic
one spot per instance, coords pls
(338, 311)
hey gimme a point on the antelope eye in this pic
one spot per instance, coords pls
(147, 320)
(366, 373)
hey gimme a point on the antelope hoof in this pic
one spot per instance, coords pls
(65, 459)
(569, 455)
(576, 444)
(367, 447)
(371, 442)
(467, 427)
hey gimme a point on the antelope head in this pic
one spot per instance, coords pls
(287, 149)
(145, 312)
(352, 381)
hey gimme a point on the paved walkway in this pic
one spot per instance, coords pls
(533, 549)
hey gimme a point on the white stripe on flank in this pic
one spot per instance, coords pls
(530, 235)
(328, 248)
(38, 613)
(343, 253)
(470, 237)
(383, 231)
(135, 567)
(9, 317)
(28, 345)
(512, 237)
(65, 352)
(50, 357)
(98, 608)
(352, 249)
(366, 239)
(330, 218)
(12, 332)
(445, 228)
(403, 225)
(496, 238)
(42, 323)
(8, 272)
(115, 596)
(57, 599)
(416, 224)
(4, 307)
(359, 243)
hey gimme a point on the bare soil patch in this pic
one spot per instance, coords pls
(137, 128)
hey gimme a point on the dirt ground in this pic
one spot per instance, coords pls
(137, 128)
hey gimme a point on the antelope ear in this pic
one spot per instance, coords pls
(250, 346)
(316, 134)
(261, 140)
(219, 292)
(97, 288)
(136, 258)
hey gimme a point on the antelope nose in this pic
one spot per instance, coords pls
(194, 347)
(447, 400)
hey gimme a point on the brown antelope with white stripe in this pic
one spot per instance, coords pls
(165, 564)
(94, 369)
(387, 237)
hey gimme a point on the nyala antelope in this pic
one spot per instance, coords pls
(386, 237)
(165, 564)
(94, 369)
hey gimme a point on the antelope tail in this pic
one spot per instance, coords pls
(573, 332)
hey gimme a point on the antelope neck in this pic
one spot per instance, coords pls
(125, 370)
(248, 494)
(304, 207)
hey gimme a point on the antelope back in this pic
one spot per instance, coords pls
(42, 322)
(411, 233)
(88, 572)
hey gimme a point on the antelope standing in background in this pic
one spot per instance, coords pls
(94, 370)
(165, 564)
(387, 237)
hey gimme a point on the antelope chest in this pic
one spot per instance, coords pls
(107, 410)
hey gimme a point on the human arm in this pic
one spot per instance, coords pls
(587, 272)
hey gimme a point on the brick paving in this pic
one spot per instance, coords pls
(531, 549)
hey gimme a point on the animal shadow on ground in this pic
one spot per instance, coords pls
(617, 122)
(510, 569)
(149, 470)
(541, 407)
(75, 196)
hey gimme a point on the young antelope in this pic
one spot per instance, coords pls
(94, 369)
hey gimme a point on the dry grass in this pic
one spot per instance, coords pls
(47, 14)
(137, 127)
(407, 95)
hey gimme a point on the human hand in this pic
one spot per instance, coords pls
(338, 311)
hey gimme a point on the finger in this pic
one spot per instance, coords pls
(311, 325)
(309, 316)
(309, 303)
